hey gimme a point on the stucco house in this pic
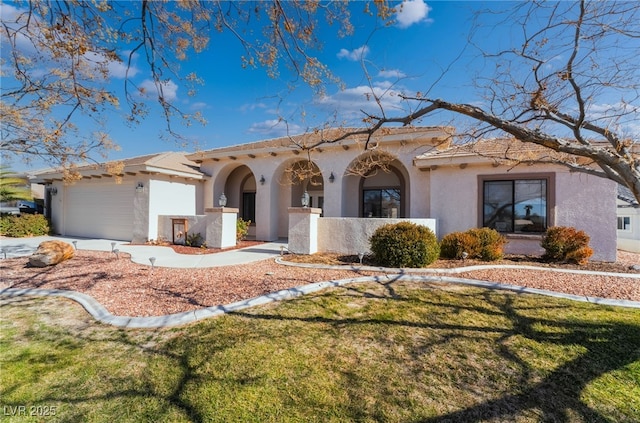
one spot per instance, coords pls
(124, 205)
(411, 173)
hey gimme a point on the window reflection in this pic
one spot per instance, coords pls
(515, 205)
(381, 203)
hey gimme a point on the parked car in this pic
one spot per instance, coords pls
(6, 211)
(27, 207)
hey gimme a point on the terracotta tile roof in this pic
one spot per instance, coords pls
(167, 162)
(496, 148)
(311, 138)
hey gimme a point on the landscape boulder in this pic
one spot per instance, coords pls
(50, 253)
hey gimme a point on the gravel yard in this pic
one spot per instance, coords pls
(130, 289)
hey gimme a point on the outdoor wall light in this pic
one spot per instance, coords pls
(305, 199)
(332, 177)
(222, 201)
(262, 180)
(139, 187)
(54, 191)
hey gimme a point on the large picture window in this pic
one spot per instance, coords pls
(517, 205)
(381, 202)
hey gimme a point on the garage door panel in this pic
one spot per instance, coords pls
(100, 211)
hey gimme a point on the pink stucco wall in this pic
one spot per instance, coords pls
(582, 201)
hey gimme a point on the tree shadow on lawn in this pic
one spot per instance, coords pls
(607, 346)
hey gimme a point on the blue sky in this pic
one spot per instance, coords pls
(244, 105)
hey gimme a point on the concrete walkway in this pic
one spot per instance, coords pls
(164, 256)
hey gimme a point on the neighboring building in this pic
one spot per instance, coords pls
(406, 173)
(628, 217)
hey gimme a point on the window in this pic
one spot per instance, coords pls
(624, 223)
(381, 202)
(519, 205)
(249, 206)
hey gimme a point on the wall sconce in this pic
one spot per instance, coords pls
(332, 177)
(222, 201)
(305, 199)
(262, 180)
(139, 187)
(54, 191)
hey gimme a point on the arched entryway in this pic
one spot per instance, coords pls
(294, 177)
(240, 189)
(376, 187)
(304, 176)
(382, 194)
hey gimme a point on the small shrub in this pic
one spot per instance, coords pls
(404, 244)
(456, 243)
(193, 240)
(566, 244)
(24, 225)
(483, 243)
(242, 228)
(491, 243)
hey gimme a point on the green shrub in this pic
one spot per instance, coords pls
(404, 244)
(193, 240)
(24, 225)
(242, 228)
(483, 244)
(566, 244)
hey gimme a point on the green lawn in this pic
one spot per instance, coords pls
(369, 353)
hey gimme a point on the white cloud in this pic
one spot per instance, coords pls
(18, 23)
(115, 68)
(410, 12)
(148, 88)
(391, 73)
(249, 107)
(354, 55)
(350, 103)
(199, 105)
(274, 128)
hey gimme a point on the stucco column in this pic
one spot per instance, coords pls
(303, 229)
(221, 227)
(141, 222)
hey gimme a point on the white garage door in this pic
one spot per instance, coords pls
(99, 210)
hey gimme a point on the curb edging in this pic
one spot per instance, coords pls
(101, 314)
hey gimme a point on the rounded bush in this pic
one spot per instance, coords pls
(566, 244)
(404, 244)
(456, 243)
(484, 244)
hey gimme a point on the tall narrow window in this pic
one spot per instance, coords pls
(249, 206)
(518, 205)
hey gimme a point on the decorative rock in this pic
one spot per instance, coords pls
(50, 253)
(635, 267)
